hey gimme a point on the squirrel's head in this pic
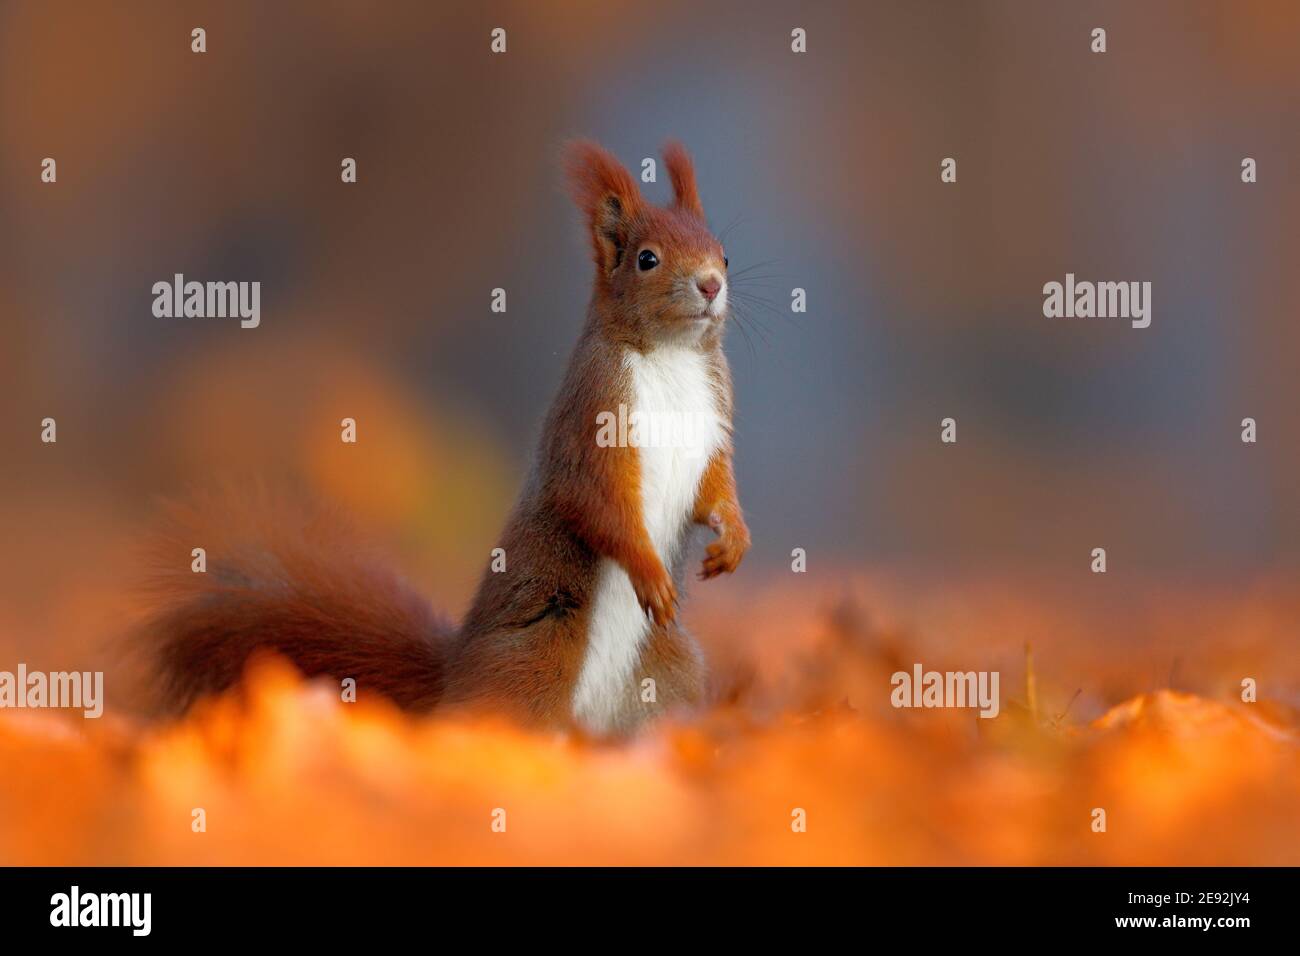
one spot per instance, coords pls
(659, 266)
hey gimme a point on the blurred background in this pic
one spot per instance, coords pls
(924, 302)
(924, 299)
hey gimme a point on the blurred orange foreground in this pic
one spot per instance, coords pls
(285, 774)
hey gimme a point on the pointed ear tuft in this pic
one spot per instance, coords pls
(682, 172)
(607, 195)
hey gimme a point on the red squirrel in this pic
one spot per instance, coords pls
(580, 630)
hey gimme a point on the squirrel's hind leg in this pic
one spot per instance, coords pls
(671, 676)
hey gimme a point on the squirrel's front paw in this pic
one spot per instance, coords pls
(726, 553)
(655, 593)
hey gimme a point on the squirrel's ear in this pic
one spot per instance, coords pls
(682, 172)
(607, 195)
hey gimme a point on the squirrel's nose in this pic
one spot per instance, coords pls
(710, 287)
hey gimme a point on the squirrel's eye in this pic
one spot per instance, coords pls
(726, 263)
(647, 260)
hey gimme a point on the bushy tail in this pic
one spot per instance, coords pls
(290, 578)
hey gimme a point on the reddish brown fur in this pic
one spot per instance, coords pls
(682, 173)
(289, 577)
(521, 646)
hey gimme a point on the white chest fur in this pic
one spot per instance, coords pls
(676, 428)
